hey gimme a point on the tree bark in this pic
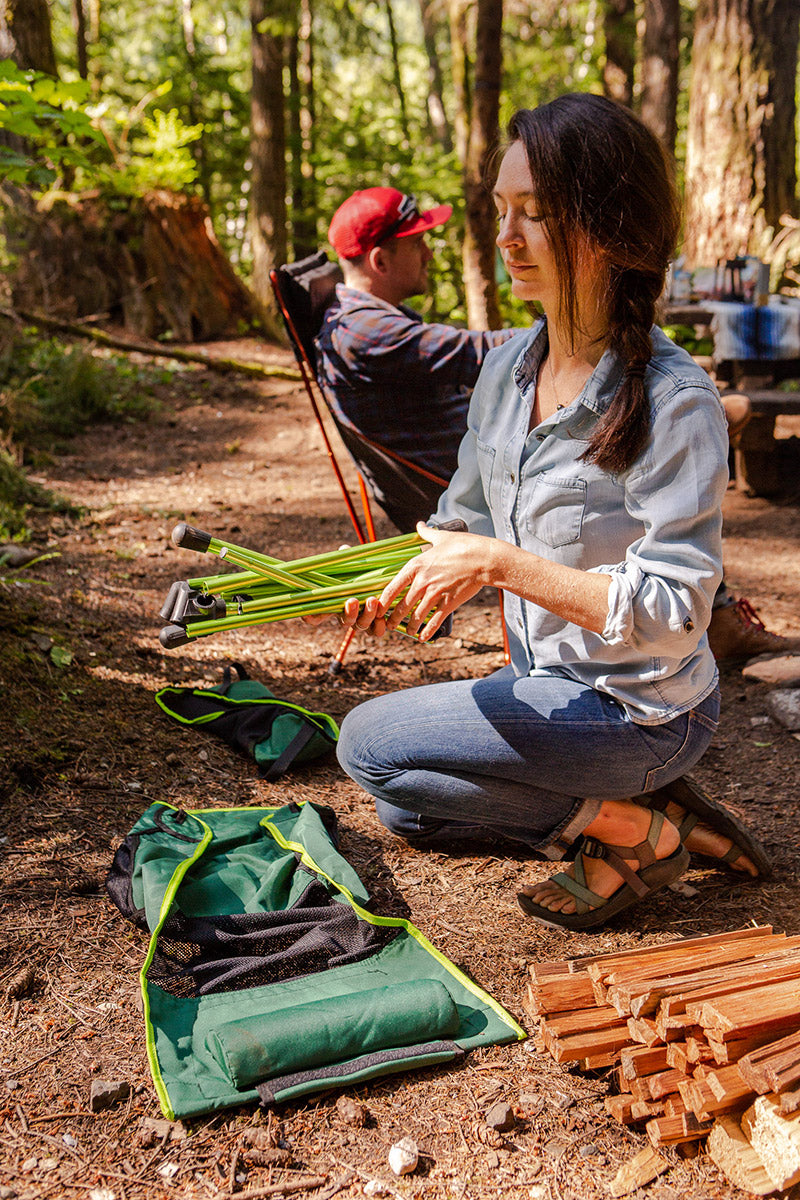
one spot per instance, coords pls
(396, 74)
(301, 128)
(26, 35)
(267, 149)
(483, 308)
(660, 58)
(459, 42)
(437, 117)
(619, 25)
(79, 25)
(198, 148)
(741, 146)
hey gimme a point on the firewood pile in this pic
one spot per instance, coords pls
(703, 1036)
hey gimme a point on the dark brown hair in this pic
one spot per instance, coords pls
(597, 170)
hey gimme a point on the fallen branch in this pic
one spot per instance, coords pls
(307, 1183)
(130, 347)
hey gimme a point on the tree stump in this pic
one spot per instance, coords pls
(151, 264)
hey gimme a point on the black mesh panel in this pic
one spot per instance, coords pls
(198, 956)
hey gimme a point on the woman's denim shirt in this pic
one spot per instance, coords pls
(656, 529)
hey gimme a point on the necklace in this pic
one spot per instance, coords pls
(553, 380)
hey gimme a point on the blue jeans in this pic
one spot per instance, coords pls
(528, 758)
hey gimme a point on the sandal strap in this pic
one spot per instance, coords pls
(643, 854)
(659, 803)
(585, 898)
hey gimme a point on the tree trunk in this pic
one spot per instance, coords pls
(619, 25)
(195, 115)
(79, 25)
(660, 51)
(741, 140)
(436, 112)
(459, 42)
(483, 309)
(396, 75)
(301, 126)
(26, 35)
(267, 149)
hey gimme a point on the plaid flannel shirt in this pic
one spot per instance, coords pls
(400, 381)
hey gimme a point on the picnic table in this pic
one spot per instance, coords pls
(756, 348)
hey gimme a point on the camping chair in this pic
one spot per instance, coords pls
(406, 492)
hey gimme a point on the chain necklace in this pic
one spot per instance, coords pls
(553, 379)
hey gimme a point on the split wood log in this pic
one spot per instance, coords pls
(775, 1138)
(772, 1067)
(747, 1014)
(730, 1150)
(643, 1168)
(642, 1060)
(671, 1131)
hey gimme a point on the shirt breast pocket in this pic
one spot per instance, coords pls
(555, 513)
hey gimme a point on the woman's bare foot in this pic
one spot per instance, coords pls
(702, 839)
(619, 823)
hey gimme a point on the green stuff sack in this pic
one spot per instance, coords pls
(249, 717)
(267, 975)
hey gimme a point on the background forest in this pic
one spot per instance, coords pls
(157, 160)
(273, 113)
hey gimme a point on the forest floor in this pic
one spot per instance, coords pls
(86, 750)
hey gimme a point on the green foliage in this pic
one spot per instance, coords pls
(48, 123)
(48, 390)
(159, 156)
(684, 335)
(17, 495)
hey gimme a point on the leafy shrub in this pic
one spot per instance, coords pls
(17, 495)
(49, 390)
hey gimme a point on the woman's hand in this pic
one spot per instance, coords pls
(441, 578)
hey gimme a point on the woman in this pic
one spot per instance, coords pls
(590, 482)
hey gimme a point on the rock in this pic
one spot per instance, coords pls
(501, 1117)
(42, 642)
(105, 1093)
(376, 1188)
(531, 1103)
(563, 1101)
(404, 1156)
(590, 1150)
(784, 670)
(351, 1112)
(16, 556)
(7, 1193)
(785, 706)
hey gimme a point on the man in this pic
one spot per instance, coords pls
(399, 380)
(406, 384)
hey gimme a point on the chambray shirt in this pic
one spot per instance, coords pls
(656, 529)
(401, 381)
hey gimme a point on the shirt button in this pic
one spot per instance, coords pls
(688, 624)
(540, 437)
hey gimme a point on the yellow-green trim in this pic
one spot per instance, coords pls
(166, 905)
(324, 721)
(402, 923)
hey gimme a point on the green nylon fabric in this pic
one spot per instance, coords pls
(208, 1052)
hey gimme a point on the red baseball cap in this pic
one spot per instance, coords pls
(373, 215)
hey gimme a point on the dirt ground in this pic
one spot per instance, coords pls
(85, 749)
